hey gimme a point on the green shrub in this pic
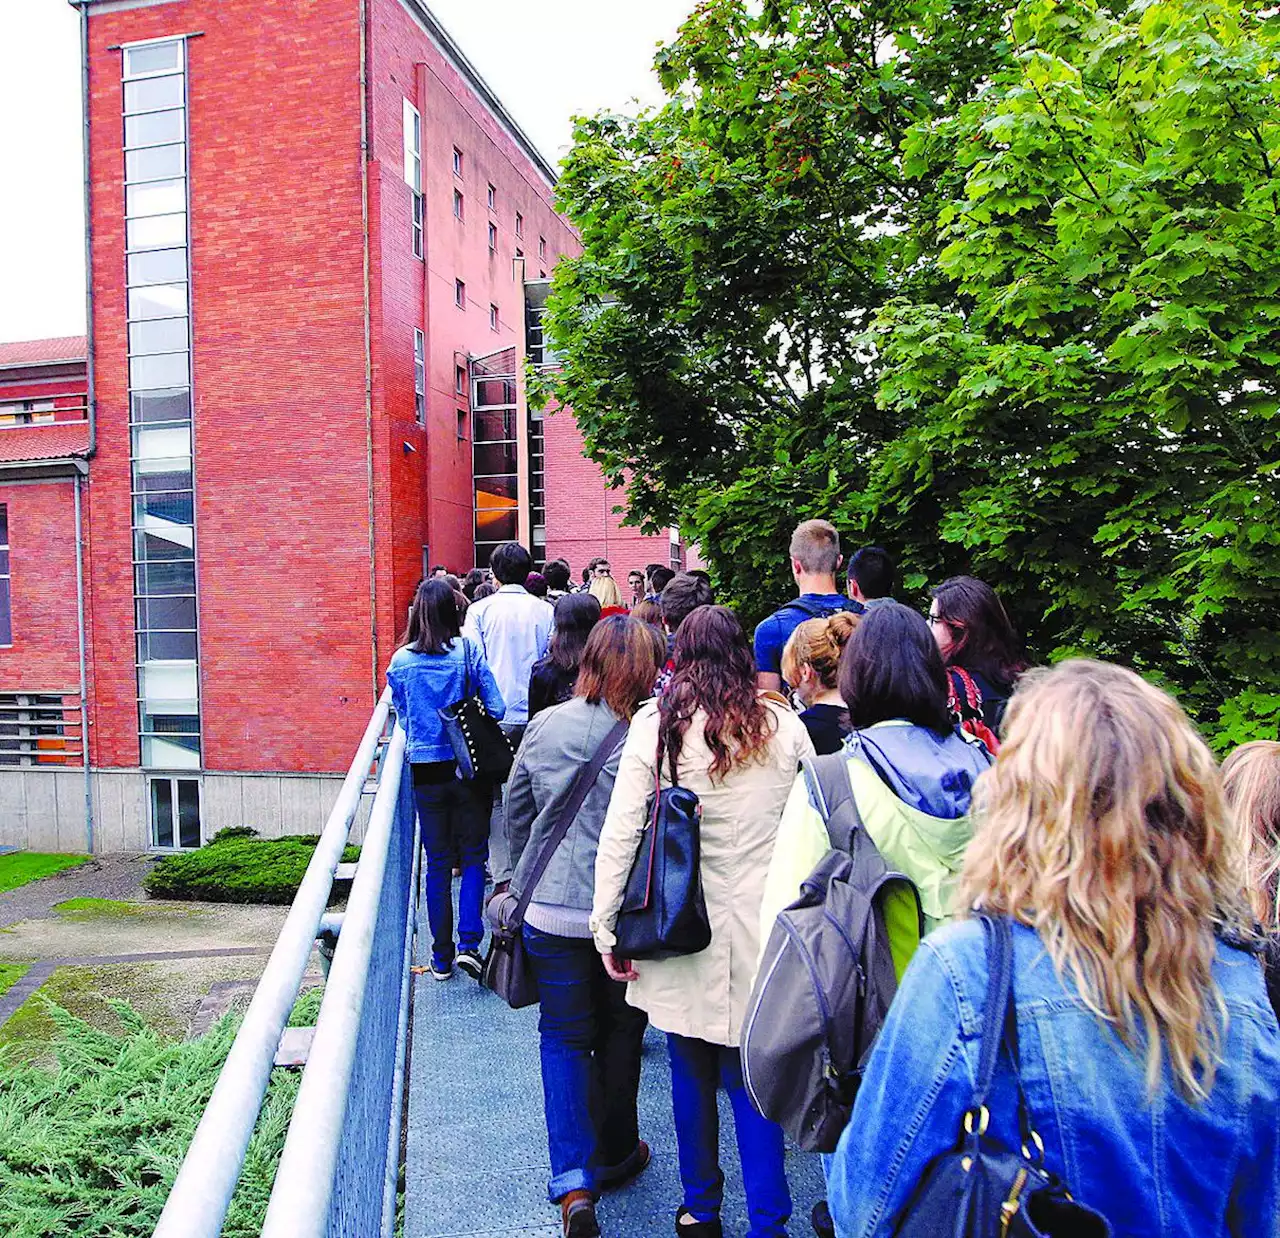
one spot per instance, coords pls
(238, 869)
(91, 1150)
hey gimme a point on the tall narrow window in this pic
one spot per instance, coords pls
(460, 380)
(462, 424)
(457, 162)
(419, 377)
(493, 198)
(163, 480)
(413, 170)
(493, 237)
(542, 248)
(459, 294)
(457, 205)
(493, 317)
(6, 617)
(519, 224)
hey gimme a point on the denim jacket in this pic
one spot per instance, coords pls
(422, 683)
(1156, 1168)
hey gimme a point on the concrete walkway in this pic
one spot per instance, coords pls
(477, 1161)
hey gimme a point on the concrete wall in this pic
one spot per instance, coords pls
(43, 810)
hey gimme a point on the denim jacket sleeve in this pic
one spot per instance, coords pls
(917, 1086)
(398, 701)
(486, 685)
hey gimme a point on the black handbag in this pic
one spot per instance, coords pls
(981, 1189)
(506, 968)
(480, 746)
(663, 912)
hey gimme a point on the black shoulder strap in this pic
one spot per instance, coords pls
(582, 783)
(999, 948)
(831, 791)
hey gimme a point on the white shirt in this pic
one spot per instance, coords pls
(513, 628)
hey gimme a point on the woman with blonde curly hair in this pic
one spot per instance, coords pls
(1149, 1056)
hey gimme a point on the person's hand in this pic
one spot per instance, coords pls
(619, 969)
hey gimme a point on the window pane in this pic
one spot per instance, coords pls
(494, 427)
(497, 526)
(496, 492)
(155, 128)
(167, 370)
(496, 391)
(6, 618)
(4, 562)
(188, 812)
(158, 301)
(166, 646)
(152, 58)
(169, 443)
(156, 232)
(158, 266)
(158, 335)
(4, 524)
(161, 812)
(152, 406)
(156, 198)
(165, 476)
(149, 546)
(178, 507)
(170, 724)
(167, 614)
(494, 458)
(176, 752)
(153, 94)
(171, 576)
(153, 162)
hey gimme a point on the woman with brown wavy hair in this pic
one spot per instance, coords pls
(1149, 1056)
(738, 749)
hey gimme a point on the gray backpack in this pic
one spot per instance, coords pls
(827, 975)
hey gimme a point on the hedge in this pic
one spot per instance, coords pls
(238, 867)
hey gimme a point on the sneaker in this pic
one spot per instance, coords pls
(578, 1215)
(611, 1177)
(441, 971)
(689, 1227)
(470, 962)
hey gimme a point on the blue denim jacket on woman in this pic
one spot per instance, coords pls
(1156, 1168)
(422, 683)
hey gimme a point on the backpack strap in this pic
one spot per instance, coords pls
(831, 793)
(814, 611)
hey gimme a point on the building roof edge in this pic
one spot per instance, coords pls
(445, 41)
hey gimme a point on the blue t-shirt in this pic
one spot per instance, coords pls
(773, 633)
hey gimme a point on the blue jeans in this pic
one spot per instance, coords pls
(455, 830)
(590, 1040)
(696, 1069)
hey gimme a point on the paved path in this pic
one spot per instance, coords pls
(108, 876)
(477, 1146)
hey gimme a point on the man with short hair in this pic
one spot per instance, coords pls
(815, 558)
(512, 629)
(438, 571)
(871, 577)
(659, 578)
(683, 594)
(635, 582)
(558, 577)
(602, 568)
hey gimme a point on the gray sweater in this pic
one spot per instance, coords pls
(557, 744)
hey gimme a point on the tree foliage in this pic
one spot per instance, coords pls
(995, 284)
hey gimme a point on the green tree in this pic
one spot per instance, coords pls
(997, 286)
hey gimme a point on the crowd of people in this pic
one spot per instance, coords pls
(1141, 1059)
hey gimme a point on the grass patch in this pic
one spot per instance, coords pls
(93, 908)
(19, 867)
(10, 974)
(238, 868)
(91, 1147)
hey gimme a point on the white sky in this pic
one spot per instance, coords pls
(546, 59)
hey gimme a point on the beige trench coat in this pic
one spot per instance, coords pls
(701, 995)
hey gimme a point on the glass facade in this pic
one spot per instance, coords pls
(495, 453)
(163, 507)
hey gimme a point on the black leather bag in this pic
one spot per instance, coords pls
(982, 1189)
(506, 968)
(664, 912)
(480, 746)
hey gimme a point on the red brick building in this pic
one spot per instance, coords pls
(317, 253)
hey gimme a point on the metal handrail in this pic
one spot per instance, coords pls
(201, 1194)
(304, 1183)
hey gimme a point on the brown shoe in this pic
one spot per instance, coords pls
(611, 1177)
(578, 1215)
